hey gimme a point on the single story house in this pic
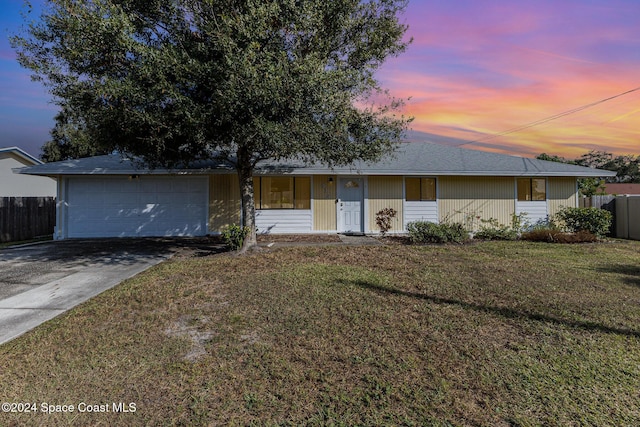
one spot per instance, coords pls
(13, 185)
(110, 196)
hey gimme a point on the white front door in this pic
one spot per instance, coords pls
(350, 201)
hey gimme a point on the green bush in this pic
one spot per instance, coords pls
(429, 232)
(594, 220)
(491, 229)
(234, 236)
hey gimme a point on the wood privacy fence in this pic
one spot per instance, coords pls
(625, 210)
(23, 218)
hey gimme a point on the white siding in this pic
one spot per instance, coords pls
(535, 211)
(18, 185)
(420, 211)
(274, 221)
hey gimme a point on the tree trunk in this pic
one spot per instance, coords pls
(245, 177)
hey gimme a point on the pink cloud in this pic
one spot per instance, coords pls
(479, 69)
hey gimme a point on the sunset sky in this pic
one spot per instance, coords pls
(480, 74)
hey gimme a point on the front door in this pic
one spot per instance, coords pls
(350, 200)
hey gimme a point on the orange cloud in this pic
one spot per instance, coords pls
(476, 71)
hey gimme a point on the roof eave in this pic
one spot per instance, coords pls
(304, 171)
(21, 154)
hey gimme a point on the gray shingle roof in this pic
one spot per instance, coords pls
(419, 158)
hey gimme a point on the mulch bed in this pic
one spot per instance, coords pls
(298, 238)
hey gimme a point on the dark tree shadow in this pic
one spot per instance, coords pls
(508, 313)
(631, 272)
(121, 251)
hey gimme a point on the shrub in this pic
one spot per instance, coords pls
(234, 236)
(429, 232)
(491, 229)
(383, 219)
(553, 235)
(594, 220)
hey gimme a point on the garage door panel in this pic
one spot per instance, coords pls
(147, 206)
(84, 187)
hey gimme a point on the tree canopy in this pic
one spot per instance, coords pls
(176, 81)
(627, 168)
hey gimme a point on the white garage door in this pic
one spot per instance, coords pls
(139, 207)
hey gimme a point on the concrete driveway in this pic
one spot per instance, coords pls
(39, 282)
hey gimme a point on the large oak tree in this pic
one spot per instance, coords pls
(177, 81)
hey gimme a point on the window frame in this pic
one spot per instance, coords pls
(530, 189)
(420, 181)
(258, 190)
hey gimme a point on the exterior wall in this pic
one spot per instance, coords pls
(17, 185)
(561, 192)
(420, 211)
(274, 221)
(385, 192)
(532, 212)
(323, 203)
(224, 201)
(463, 199)
(459, 199)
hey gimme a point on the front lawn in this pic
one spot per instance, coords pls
(491, 333)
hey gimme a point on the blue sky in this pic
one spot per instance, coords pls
(476, 69)
(26, 116)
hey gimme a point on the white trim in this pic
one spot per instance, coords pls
(62, 218)
(22, 154)
(430, 206)
(363, 205)
(535, 210)
(311, 196)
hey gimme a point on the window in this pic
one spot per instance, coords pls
(282, 192)
(532, 189)
(420, 189)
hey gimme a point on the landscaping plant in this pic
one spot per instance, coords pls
(234, 236)
(491, 229)
(383, 219)
(428, 232)
(594, 220)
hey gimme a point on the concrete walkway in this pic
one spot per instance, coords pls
(40, 282)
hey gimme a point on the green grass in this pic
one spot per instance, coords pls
(493, 333)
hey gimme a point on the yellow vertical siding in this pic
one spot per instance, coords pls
(469, 199)
(324, 203)
(561, 192)
(224, 201)
(385, 192)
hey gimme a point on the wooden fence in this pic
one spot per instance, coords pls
(23, 218)
(625, 210)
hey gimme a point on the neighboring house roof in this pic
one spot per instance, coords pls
(622, 188)
(21, 155)
(418, 158)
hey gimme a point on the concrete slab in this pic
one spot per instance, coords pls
(38, 283)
